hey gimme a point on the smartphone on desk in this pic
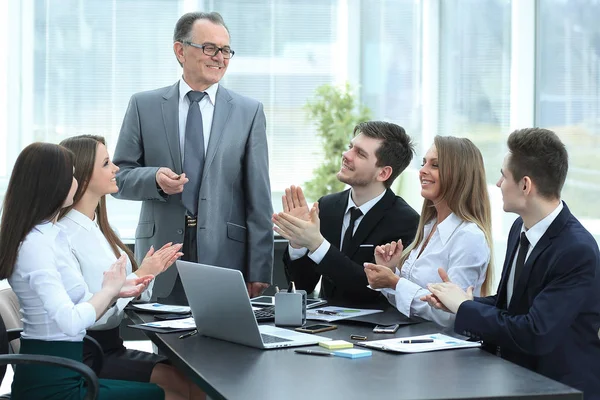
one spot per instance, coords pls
(316, 328)
(165, 317)
(386, 328)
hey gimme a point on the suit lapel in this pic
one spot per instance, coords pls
(332, 226)
(170, 112)
(553, 230)
(370, 221)
(223, 108)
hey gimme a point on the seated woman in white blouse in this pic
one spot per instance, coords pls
(454, 233)
(56, 304)
(95, 245)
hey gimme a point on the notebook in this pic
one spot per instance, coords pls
(221, 309)
(438, 342)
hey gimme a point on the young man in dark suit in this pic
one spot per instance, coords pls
(546, 313)
(340, 233)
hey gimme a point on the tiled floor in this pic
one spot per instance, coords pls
(144, 345)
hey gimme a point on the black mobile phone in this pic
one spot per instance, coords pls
(164, 317)
(316, 328)
(386, 328)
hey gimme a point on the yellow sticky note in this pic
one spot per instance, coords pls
(336, 344)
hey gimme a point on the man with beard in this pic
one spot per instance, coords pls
(334, 238)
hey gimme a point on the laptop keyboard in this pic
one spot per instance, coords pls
(273, 339)
(265, 314)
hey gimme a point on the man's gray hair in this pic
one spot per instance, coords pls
(183, 28)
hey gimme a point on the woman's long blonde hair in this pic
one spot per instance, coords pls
(463, 188)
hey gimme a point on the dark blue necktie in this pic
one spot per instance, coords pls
(193, 154)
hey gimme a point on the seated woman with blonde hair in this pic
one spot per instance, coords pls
(454, 233)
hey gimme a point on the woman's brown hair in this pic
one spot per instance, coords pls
(38, 187)
(85, 147)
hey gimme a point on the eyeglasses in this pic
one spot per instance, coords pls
(212, 50)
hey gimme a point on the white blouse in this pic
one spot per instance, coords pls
(457, 246)
(94, 256)
(50, 288)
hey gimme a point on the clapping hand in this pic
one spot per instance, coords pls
(300, 232)
(389, 254)
(135, 287)
(157, 262)
(115, 282)
(447, 295)
(294, 204)
(380, 276)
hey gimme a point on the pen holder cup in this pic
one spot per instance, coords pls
(290, 308)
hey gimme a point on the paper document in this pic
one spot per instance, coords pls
(332, 313)
(440, 342)
(184, 323)
(162, 308)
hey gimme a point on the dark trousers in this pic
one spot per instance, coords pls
(190, 253)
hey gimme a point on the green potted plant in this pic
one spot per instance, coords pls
(336, 113)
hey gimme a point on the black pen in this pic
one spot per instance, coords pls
(410, 341)
(191, 333)
(314, 352)
(327, 312)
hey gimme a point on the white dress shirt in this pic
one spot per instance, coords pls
(457, 246)
(50, 288)
(94, 256)
(207, 109)
(533, 234)
(318, 255)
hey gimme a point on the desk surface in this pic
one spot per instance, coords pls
(231, 371)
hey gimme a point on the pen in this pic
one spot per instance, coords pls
(410, 341)
(327, 312)
(314, 352)
(191, 333)
(358, 337)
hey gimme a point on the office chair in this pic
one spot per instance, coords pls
(10, 314)
(90, 377)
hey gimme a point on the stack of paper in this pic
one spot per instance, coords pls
(433, 342)
(332, 313)
(336, 344)
(353, 353)
(161, 308)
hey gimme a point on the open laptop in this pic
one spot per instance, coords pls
(221, 309)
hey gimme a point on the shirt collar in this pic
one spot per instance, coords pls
(535, 233)
(365, 208)
(184, 88)
(48, 228)
(81, 219)
(446, 228)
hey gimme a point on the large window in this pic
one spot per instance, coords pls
(568, 96)
(474, 75)
(452, 67)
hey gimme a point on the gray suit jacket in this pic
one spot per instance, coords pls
(234, 209)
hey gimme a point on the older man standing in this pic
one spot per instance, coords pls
(196, 154)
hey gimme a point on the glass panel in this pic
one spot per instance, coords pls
(474, 76)
(568, 96)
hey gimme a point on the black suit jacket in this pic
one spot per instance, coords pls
(344, 279)
(552, 325)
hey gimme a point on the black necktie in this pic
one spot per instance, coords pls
(193, 153)
(354, 214)
(523, 248)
